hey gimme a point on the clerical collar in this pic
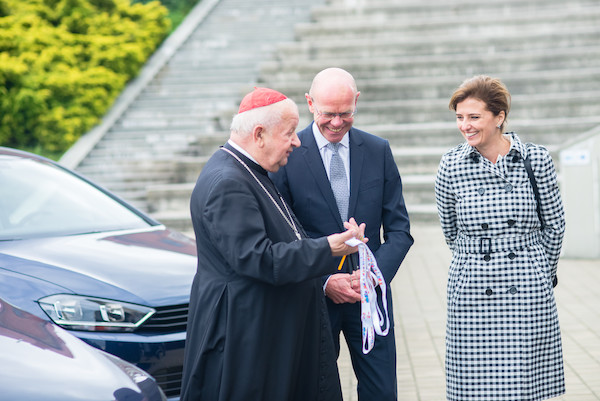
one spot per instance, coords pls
(241, 150)
(252, 163)
(322, 141)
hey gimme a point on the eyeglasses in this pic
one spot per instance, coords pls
(331, 116)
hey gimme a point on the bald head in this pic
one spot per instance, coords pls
(332, 79)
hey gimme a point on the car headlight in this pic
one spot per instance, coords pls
(94, 314)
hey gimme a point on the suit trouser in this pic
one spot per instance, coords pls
(375, 371)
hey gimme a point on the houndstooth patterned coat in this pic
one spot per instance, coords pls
(502, 335)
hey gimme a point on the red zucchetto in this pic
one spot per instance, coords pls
(260, 97)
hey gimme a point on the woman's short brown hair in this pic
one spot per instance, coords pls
(490, 91)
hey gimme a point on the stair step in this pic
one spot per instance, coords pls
(411, 87)
(395, 21)
(408, 9)
(170, 197)
(441, 64)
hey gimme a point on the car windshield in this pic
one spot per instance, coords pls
(38, 199)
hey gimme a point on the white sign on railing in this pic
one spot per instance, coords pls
(579, 157)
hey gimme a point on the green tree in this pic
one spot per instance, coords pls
(178, 9)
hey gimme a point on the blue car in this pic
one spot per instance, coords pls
(78, 256)
(40, 361)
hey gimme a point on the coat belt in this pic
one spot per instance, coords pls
(487, 245)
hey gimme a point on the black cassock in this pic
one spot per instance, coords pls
(258, 327)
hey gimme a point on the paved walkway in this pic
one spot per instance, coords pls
(420, 307)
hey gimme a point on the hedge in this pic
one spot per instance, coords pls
(178, 9)
(64, 62)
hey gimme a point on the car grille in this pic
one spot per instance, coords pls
(169, 380)
(167, 319)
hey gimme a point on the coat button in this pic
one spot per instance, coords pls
(508, 187)
(481, 191)
(489, 292)
(515, 159)
(512, 255)
(487, 257)
(485, 226)
(511, 222)
(513, 290)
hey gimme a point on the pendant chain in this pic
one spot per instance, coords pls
(290, 221)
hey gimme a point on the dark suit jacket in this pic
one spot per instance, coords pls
(375, 195)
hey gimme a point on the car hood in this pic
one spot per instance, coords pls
(152, 267)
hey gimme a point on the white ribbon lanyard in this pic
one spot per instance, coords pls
(373, 320)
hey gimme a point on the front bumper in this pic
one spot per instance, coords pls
(161, 355)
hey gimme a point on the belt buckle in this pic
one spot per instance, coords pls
(485, 245)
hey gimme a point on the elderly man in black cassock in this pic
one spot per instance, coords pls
(258, 327)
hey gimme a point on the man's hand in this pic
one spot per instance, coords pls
(343, 288)
(337, 241)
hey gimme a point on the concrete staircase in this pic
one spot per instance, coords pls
(407, 56)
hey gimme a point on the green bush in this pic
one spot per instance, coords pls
(178, 9)
(63, 63)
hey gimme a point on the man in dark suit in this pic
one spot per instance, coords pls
(371, 192)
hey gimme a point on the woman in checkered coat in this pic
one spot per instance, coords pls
(502, 335)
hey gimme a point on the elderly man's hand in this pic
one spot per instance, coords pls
(337, 242)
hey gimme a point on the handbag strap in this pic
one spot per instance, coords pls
(536, 192)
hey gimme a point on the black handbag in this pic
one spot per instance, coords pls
(536, 193)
